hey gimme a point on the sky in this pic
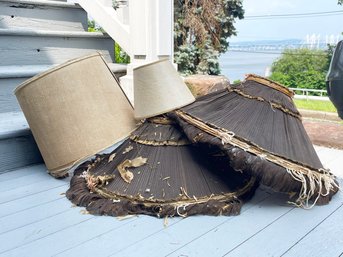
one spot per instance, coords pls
(288, 28)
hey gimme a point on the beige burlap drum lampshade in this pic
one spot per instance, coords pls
(158, 89)
(74, 111)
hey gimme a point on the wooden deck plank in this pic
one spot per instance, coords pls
(336, 167)
(289, 230)
(32, 215)
(31, 201)
(14, 174)
(328, 155)
(33, 232)
(39, 225)
(64, 239)
(235, 231)
(331, 158)
(31, 189)
(22, 181)
(325, 240)
(141, 227)
(180, 233)
(319, 148)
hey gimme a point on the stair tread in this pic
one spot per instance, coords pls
(37, 33)
(19, 71)
(22, 71)
(117, 67)
(13, 124)
(45, 3)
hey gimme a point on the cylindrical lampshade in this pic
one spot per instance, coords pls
(74, 111)
(158, 89)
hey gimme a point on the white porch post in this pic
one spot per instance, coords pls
(151, 35)
(143, 28)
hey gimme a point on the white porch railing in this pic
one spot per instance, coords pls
(143, 28)
(306, 94)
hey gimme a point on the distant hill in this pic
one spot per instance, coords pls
(276, 44)
(269, 42)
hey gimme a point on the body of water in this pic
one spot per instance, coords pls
(234, 65)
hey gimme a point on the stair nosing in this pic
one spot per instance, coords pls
(39, 33)
(45, 3)
(15, 133)
(23, 71)
(17, 129)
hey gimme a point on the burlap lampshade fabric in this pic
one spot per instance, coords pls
(74, 111)
(165, 175)
(158, 89)
(259, 128)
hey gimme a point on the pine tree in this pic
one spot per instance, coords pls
(202, 28)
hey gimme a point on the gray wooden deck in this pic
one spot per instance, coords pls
(37, 220)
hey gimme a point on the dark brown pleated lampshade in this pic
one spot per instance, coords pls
(258, 126)
(158, 172)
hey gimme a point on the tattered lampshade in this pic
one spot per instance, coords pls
(259, 128)
(158, 89)
(159, 172)
(74, 111)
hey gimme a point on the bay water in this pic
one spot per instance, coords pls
(234, 65)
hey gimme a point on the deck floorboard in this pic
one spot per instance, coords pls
(37, 220)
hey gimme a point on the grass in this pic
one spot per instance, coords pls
(315, 105)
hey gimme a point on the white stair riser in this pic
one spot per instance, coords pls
(8, 101)
(36, 50)
(22, 15)
(18, 152)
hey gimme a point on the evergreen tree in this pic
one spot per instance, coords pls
(202, 28)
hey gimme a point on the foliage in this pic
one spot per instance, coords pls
(316, 105)
(119, 55)
(340, 2)
(93, 27)
(302, 68)
(115, 4)
(186, 57)
(237, 81)
(202, 28)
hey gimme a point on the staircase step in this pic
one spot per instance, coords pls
(44, 15)
(17, 146)
(13, 75)
(43, 47)
(10, 78)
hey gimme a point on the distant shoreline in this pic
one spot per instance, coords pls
(258, 56)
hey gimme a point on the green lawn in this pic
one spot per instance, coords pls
(316, 105)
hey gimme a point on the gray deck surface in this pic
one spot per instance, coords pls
(37, 220)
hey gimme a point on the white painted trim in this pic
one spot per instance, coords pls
(138, 28)
(165, 28)
(39, 33)
(107, 18)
